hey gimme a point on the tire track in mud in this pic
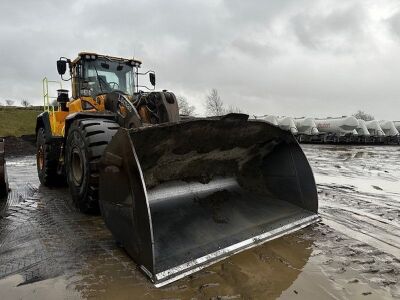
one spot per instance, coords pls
(43, 236)
(374, 220)
(376, 224)
(21, 250)
(346, 261)
(388, 201)
(375, 239)
(359, 192)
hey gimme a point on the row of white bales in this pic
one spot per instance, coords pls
(343, 126)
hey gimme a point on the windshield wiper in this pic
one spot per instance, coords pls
(98, 78)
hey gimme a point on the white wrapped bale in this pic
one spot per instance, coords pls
(388, 128)
(397, 125)
(340, 126)
(362, 129)
(374, 128)
(270, 119)
(287, 123)
(306, 126)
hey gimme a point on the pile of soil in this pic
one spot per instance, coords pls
(20, 146)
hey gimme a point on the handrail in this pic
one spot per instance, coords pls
(46, 96)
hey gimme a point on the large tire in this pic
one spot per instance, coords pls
(85, 145)
(47, 157)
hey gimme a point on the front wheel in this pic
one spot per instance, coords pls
(85, 145)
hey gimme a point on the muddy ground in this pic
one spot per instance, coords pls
(48, 250)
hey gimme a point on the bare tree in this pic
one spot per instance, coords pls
(233, 109)
(25, 103)
(10, 102)
(184, 107)
(363, 116)
(214, 105)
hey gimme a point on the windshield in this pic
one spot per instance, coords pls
(104, 76)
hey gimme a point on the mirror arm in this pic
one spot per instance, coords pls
(137, 78)
(70, 71)
(63, 79)
(150, 89)
(150, 71)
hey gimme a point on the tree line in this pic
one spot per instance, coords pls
(213, 105)
(363, 116)
(9, 102)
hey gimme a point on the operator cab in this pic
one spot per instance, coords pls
(102, 83)
(101, 76)
(93, 75)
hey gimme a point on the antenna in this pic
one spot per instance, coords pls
(136, 73)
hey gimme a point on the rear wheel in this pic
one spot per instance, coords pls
(85, 145)
(47, 156)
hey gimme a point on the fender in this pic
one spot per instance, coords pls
(86, 115)
(43, 120)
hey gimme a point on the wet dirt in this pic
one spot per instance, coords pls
(20, 146)
(49, 250)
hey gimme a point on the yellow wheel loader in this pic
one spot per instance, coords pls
(178, 194)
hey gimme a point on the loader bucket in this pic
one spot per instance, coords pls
(181, 196)
(3, 171)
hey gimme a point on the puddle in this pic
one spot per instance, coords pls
(56, 288)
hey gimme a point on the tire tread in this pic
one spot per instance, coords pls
(96, 133)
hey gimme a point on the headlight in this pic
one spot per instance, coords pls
(87, 56)
(85, 92)
(86, 105)
(93, 56)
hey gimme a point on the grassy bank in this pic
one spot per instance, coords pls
(17, 121)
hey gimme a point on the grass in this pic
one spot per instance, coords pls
(17, 121)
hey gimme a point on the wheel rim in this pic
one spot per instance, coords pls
(40, 157)
(77, 166)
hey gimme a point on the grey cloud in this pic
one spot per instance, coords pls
(338, 30)
(254, 48)
(293, 57)
(394, 24)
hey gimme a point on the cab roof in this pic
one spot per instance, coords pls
(107, 57)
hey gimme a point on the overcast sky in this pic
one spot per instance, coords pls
(282, 57)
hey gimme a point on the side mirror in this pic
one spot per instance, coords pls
(152, 78)
(61, 66)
